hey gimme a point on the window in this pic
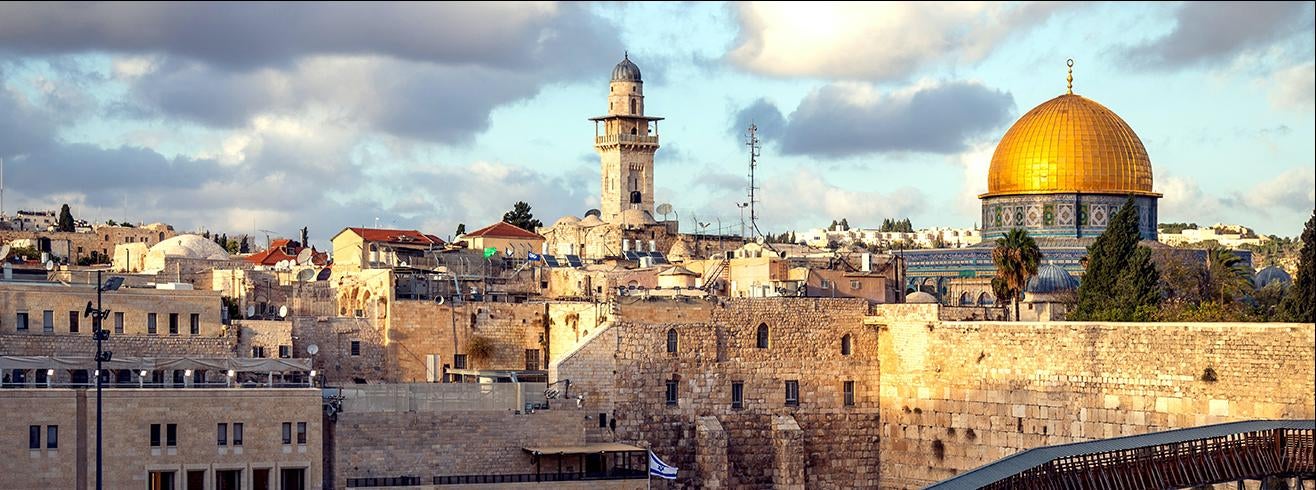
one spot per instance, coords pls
(855, 284)
(180, 378)
(531, 359)
(173, 324)
(150, 323)
(48, 321)
(737, 394)
(792, 393)
(41, 376)
(161, 480)
(459, 361)
(52, 437)
(845, 344)
(34, 437)
(825, 284)
(258, 352)
(221, 434)
(287, 432)
(73, 322)
(762, 336)
(847, 390)
(285, 351)
(155, 435)
(671, 392)
(118, 322)
(171, 435)
(356, 347)
(671, 341)
(194, 324)
(21, 324)
(237, 433)
(301, 432)
(228, 480)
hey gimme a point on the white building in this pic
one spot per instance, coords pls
(923, 238)
(1232, 236)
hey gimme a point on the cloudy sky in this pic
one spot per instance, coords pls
(236, 117)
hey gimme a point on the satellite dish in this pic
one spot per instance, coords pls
(50, 265)
(664, 209)
(510, 251)
(306, 275)
(312, 349)
(251, 311)
(304, 257)
(324, 274)
(594, 212)
(4, 252)
(283, 311)
(438, 300)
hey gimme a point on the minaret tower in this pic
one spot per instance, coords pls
(626, 146)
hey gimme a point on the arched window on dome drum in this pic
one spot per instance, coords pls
(762, 336)
(845, 345)
(632, 108)
(671, 341)
(964, 299)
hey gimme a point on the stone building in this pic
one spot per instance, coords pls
(370, 248)
(506, 239)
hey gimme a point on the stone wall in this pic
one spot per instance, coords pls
(570, 322)
(957, 395)
(421, 328)
(333, 337)
(120, 345)
(269, 335)
(626, 369)
(134, 304)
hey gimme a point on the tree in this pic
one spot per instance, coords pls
(111, 222)
(1228, 276)
(832, 227)
(1300, 301)
(1016, 257)
(65, 222)
(461, 229)
(1121, 283)
(845, 225)
(521, 217)
(243, 246)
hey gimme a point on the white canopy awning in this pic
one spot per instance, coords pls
(158, 363)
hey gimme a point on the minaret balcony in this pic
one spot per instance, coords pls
(628, 139)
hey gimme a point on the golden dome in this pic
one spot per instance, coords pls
(1070, 144)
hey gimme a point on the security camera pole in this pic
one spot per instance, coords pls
(102, 356)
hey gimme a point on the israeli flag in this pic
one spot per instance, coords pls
(532, 257)
(660, 469)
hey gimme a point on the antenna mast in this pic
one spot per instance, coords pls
(754, 151)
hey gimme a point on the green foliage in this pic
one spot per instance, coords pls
(901, 226)
(1205, 311)
(1229, 278)
(243, 245)
(94, 258)
(1300, 300)
(521, 217)
(111, 222)
(1176, 227)
(845, 225)
(1016, 257)
(461, 229)
(30, 252)
(1121, 283)
(65, 222)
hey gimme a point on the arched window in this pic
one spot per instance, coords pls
(632, 106)
(635, 197)
(845, 345)
(634, 131)
(762, 337)
(671, 341)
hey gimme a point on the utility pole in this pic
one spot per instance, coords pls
(102, 356)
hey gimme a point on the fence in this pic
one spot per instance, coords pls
(439, 397)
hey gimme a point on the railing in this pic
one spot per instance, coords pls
(415, 481)
(625, 138)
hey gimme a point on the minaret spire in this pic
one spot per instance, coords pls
(1069, 80)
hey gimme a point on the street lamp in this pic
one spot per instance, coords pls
(98, 314)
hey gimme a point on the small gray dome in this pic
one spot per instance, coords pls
(1272, 274)
(920, 297)
(1051, 278)
(626, 71)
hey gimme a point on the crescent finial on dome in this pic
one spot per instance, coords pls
(1069, 80)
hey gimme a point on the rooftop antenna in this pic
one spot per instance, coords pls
(752, 141)
(267, 237)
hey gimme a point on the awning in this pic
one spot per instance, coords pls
(603, 447)
(238, 364)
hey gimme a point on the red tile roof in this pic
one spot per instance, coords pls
(503, 229)
(395, 236)
(278, 251)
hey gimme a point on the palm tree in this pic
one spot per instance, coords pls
(1016, 257)
(1228, 276)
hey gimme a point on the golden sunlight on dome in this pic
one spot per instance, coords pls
(1070, 144)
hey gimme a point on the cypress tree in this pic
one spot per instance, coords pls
(1300, 300)
(1120, 283)
(65, 222)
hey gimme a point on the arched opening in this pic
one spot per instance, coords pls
(762, 336)
(985, 299)
(161, 239)
(635, 197)
(845, 345)
(671, 341)
(964, 299)
(634, 131)
(632, 107)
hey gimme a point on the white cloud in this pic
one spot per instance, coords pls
(1293, 87)
(877, 41)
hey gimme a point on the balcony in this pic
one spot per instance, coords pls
(630, 139)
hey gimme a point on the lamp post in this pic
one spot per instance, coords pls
(98, 314)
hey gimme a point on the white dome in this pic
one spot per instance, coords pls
(636, 217)
(590, 222)
(183, 246)
(566, 220)
(920, 297)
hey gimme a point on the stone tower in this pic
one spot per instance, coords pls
(626, 146)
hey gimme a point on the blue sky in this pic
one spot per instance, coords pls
(241, 117)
